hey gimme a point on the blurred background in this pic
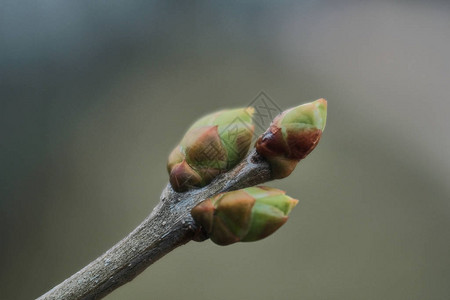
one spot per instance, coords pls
(94, 95)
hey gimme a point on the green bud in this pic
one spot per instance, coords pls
(292, 135)
(244, 215)
(212, 145)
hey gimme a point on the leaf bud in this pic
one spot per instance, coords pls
(244, 215)
(212, 145)
(292, 135)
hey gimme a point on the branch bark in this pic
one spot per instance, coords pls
(168, 226)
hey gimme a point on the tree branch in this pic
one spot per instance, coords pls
(168, 226)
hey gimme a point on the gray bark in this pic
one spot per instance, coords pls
(168, 226)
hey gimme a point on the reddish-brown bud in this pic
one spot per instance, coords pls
(292, 135)
(244, 215)
(212, 145)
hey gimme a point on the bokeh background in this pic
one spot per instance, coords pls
(94, 95)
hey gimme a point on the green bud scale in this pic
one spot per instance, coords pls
(244, 215)
(292, 135)
(212, 145)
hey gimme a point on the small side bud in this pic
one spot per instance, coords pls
(183, 177)
(212, 145)
(244, 215)
(292, 135)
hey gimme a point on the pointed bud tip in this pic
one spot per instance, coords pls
(294, 202)
(322, 106)
(311, 114)
(250, 110)
(322, 101)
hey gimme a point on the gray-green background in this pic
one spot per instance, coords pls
(94, 95)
